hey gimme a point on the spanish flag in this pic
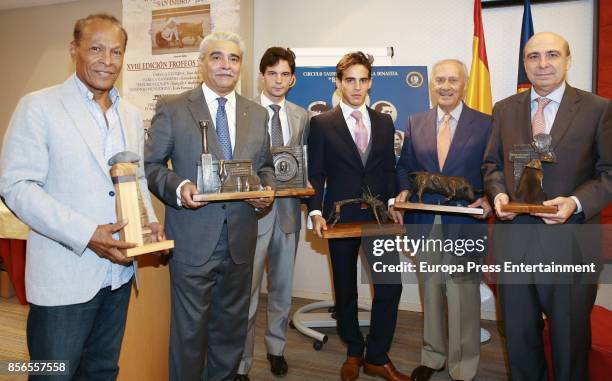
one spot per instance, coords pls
(522, 82)
(478, 94)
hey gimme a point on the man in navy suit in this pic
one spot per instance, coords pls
(450, 139)
(351, 148)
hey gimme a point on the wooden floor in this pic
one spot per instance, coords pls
(305, 364)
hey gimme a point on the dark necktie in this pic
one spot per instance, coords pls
(276, 131)
(223, 135)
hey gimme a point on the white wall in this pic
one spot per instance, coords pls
(421, 32)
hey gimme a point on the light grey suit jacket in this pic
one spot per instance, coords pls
(53, 175)
(288, 209)
(175, 135)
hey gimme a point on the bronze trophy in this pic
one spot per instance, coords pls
(529, 176)
(452, 187)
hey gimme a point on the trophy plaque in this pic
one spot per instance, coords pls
(452, 187)
(291, 170)
(363, 229)
(130, 206)
(529, 175)
(208, 172)
(225, 180)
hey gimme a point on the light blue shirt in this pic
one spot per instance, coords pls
(112, 137)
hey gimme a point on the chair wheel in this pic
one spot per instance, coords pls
(333, 316)
(331, 309)
(317, 345)
(291, 325)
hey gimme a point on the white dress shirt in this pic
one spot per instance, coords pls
(213, 105)
(282, 114)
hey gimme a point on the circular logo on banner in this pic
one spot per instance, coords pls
(285, 166)
(414, 79)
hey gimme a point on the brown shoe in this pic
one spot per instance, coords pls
(350, 368)
(387, 371)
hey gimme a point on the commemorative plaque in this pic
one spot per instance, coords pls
(291, 169)
(225, 180)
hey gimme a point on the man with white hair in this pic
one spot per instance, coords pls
(449, 139)
(212, 262)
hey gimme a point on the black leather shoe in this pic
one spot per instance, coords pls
(242, 377)
(278, 365)
(423, 373)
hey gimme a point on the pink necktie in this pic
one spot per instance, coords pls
(361, 133)
(538, 126)
(444, 140)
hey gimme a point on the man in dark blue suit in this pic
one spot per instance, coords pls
(351, 149)
(450, 139)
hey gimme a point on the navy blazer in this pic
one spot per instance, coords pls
(465, 156)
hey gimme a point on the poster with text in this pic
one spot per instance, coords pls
(163, 45)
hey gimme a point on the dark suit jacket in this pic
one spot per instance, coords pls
(333, 158)
(582, 142)
(175, 135)
(420, 153)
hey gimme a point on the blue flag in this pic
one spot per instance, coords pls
(522, 82)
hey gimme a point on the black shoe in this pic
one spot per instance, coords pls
(423, 373)
(242, 377)
(278, 365)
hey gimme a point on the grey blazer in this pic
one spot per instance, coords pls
(175, 136)
(288, 209)
(54, 177)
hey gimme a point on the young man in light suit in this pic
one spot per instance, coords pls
(448, 139)
(54, 175)
(212, 260)
(278, 226)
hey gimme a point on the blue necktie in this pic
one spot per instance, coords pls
(223, 135)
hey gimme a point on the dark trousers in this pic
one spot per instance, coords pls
(210, 309)
(344, 253)
(88, 335)
(568, 310)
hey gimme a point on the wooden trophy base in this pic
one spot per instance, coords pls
(232, 196)
(362, 229)
(149, 248)
(439, 208)
(525, 208)
(295, 192)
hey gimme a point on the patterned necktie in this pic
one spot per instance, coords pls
(223, 135)
(361, 133)
(538, 125)
(276, 131)
(444, 140)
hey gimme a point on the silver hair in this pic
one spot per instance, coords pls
(221, 36)
(450, 60)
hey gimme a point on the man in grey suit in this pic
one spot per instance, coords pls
(279, 226)
(212, 263)
(54, 175)
(578, 183)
